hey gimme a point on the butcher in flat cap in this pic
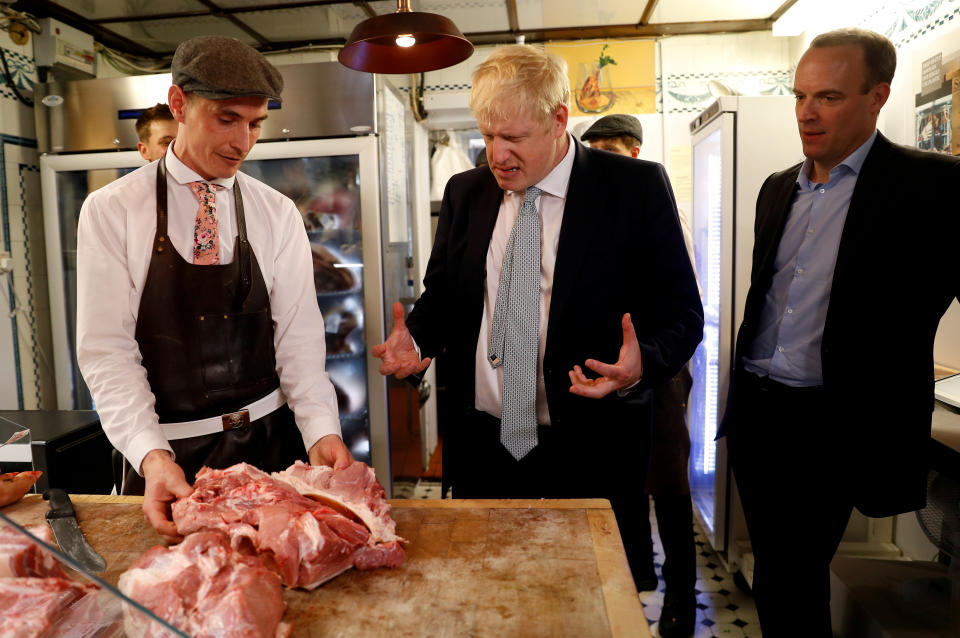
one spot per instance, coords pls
(198, 330)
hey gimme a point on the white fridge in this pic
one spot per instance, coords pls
(737, 142)
(337, 146)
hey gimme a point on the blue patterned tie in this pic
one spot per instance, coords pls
(515, 334)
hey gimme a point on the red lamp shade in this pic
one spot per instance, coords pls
(373, 47)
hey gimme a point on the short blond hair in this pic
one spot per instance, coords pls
(519, 79)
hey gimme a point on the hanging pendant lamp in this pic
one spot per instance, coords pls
(405, 42)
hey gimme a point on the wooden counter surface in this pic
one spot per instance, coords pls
(473, 568)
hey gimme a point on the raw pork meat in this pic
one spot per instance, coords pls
(352, 490)
(48, 608)
(306, 542)
(14, 485)
(206, 589)
(20, 556)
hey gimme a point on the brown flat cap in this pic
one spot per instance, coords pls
(220, 68)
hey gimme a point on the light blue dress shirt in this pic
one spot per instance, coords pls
(790, 331)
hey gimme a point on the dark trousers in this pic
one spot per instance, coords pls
(271, 444)
(667, 482)
(566, 463)
(787, 452)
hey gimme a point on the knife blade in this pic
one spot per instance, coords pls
(63, 520)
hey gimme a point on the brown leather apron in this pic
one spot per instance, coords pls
(206, 340)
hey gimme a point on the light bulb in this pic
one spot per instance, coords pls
(406, 40)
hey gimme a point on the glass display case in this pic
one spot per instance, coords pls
(335, 185)
(57, 597)
(15, 455)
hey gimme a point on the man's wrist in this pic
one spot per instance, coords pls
(154, 459)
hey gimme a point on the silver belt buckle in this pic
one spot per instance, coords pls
(235, 420)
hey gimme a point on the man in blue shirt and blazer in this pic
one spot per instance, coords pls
(832, 393)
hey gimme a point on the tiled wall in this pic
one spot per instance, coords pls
(26, 376)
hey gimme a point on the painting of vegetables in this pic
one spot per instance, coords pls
(595, 95)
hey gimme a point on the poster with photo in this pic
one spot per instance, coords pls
(933, 125)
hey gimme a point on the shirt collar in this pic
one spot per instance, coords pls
(557, 180)
(854, 162)
(183, 174)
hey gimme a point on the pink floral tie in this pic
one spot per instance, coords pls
(206, 242)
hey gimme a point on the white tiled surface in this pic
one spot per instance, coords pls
(723, 610)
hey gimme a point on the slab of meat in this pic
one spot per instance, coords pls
(51, 608)
(13, 485)
(306, 542)
(206, 589)
(353, 490)
(20, 556)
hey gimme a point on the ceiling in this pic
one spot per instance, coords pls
(154, 28)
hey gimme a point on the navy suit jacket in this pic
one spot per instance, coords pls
(620, 250)
(895, 276)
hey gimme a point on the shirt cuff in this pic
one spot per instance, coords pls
(142, 444)
(630, 389)
(318, 427)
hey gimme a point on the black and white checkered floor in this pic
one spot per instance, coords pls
(723, 609)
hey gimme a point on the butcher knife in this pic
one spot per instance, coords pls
(63, 521)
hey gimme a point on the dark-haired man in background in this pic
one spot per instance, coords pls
(156, 128)
(852, 271)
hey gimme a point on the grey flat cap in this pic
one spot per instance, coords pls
(614, 126)
(220, 68)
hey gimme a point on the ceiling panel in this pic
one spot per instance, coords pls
(99, 9)
(274, 24)
(668, 11)
(163, 36)
(470, 15)
(244, 4)
(576, 13)
(300, 24)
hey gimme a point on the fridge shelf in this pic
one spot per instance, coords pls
(342, 356)
(333, 294)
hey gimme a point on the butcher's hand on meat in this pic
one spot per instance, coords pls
(399, 355)
(330, 451)
(165, 483)
(621, 375)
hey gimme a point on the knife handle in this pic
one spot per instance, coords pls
(60, 504)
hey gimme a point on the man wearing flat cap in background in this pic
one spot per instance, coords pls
(669, 448)
(198, 330)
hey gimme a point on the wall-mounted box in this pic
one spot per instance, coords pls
(64, 49)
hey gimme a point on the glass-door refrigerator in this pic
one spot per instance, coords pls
(737, 142)
(355, 208)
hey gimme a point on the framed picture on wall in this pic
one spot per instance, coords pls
(933, 121)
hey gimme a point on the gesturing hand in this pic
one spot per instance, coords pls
(624, 373)
(399, 355)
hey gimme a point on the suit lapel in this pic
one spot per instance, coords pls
(771, 226)
(483, 217)
(868, 190)
(575, 232)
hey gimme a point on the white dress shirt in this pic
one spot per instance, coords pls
(114, 245)
(550, 203)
